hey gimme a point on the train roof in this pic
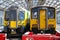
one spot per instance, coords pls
(43, 7)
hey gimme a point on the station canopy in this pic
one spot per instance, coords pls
(24, 3)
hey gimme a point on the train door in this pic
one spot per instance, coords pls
(42, 19)
(13, 19)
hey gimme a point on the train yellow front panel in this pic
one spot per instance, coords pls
(5, 23)
(42, 19)
(32, 22)
(52, 22)
(12, 24)
(22, 23)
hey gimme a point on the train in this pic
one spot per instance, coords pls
(42, 24)
(43, 19)
(15, 22)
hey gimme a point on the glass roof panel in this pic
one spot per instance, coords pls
(24, 3)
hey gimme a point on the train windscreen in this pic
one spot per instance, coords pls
(51, 13)
(21, 15)
(6, 15)
(13, 15)
(34, 13)
(10, 15)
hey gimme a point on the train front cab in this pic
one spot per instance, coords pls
(11, 23)
(43, 19)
